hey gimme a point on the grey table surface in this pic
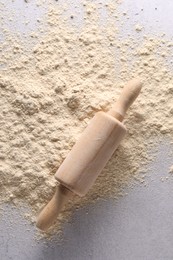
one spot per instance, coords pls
(138, 226)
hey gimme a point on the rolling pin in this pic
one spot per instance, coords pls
(90, 154)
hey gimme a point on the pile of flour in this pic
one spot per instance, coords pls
(49, 93)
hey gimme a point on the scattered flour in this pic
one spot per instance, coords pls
(171, 169)
(138, 28)
(49, 93)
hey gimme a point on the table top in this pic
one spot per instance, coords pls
(134, 227)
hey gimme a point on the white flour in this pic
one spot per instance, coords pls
(48, 96)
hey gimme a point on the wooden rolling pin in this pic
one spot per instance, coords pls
(90, 154)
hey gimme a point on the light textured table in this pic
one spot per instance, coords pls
(138, 226)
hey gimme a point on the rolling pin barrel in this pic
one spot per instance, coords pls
(90, 153)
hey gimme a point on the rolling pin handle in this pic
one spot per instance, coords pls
(50, 212)
(127, 97)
